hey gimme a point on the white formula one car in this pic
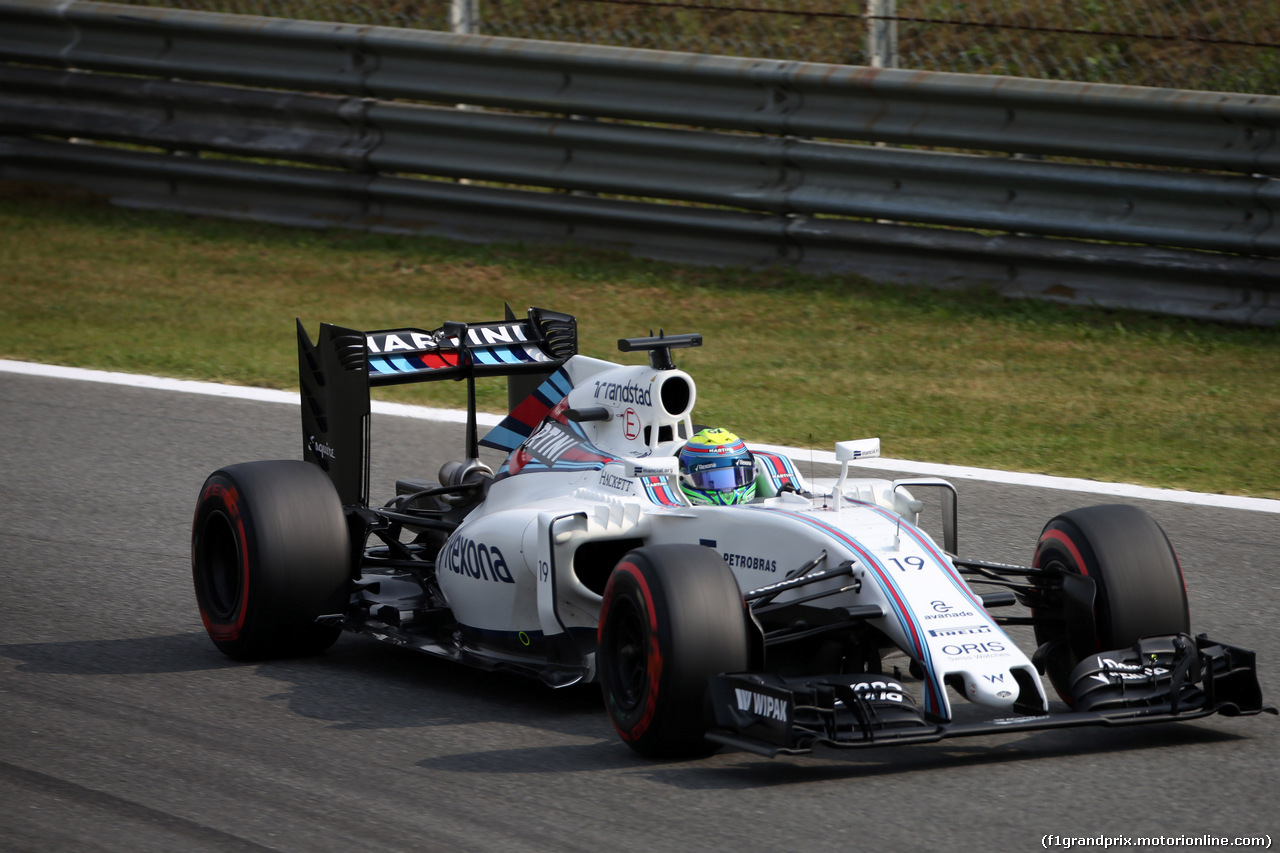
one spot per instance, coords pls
(807, 616)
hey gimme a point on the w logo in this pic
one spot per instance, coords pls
(762, 705)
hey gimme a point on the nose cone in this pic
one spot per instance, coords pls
(993, 688)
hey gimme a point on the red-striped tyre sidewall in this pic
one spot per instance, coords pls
(270, 553)
(222, 591)
(1139, 586)
(671, 617)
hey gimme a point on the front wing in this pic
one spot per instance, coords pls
(1159, 680)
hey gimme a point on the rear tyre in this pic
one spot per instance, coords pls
(672, 616)
(1139, 589)
(269, 554)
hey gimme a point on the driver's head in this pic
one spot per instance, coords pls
(717, 468)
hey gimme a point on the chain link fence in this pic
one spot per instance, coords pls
(1217, 45)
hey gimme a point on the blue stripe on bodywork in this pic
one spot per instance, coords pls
(942, 559)
(511, 432)
(560, 382)
(484, 356)
(500, 436)
(933, 702)
(660, 491)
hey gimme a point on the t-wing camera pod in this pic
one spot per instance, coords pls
(659, 347)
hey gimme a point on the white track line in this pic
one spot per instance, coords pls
(799, 455)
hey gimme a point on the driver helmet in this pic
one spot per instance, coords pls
(716, 468)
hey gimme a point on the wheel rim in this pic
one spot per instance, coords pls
(221, 573)
(630, 655)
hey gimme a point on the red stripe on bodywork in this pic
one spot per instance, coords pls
(531, 411)
(904, 614)
(440, 359)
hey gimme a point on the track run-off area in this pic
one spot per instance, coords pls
(123, 728)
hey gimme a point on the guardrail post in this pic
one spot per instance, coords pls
(882, 33)
(689, 161)
(464, 16)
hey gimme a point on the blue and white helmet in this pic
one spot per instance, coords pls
(716, 468)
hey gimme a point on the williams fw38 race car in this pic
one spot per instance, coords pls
(716, 596)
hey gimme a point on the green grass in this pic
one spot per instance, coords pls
(963, 378)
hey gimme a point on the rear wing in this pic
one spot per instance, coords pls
(337, 371)
(458, 350)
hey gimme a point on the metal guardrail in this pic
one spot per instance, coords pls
(739, 135)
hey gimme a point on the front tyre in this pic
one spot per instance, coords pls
(1138, 586)
(672, 616)
(270, 554)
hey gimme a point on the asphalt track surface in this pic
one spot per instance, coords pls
(122, 728)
